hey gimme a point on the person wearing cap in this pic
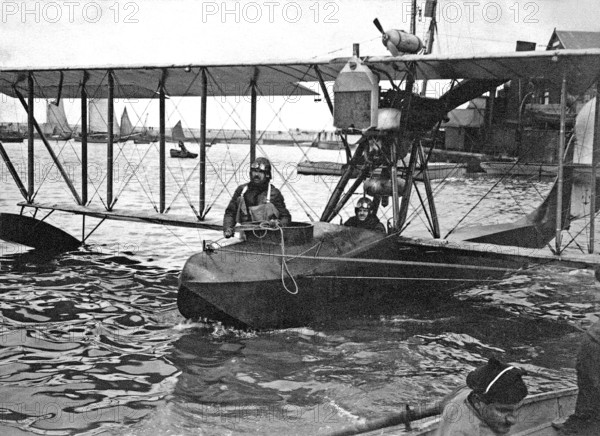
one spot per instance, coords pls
(488, 405)
(256, 201)
(365, 217)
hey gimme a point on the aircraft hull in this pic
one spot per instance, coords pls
(242, 284)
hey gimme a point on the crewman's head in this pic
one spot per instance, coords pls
(363, 208)
(260, 170)
(498, 392)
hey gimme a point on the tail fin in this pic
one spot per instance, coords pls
(538, 228)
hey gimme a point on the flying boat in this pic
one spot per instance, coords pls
(272, 276)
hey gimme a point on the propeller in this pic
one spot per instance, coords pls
(385, 37)
(378, 25)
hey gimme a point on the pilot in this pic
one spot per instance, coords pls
(488, 405)
(256, 201)
(365, 218)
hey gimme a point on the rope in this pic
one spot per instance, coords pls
(284, 265)
(378, 261)
(431, 279)
(266, 226)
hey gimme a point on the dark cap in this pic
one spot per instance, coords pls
(497, 382)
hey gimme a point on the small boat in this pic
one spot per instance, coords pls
(184, 154)
(7, 135)
(322, 168)
(178, 136)
(535, 418)
(435, 170)
(177, 133)
(146, 136)
(145, 139)
(515, 168)
(326, 141)
(10, 130)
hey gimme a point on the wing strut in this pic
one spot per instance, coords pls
(202, 169)
(253, 115)
(13, 172)
(110, 142)
(31, 123)
(30, 140)
(162, 147)
(561, 157)
(84, 139)
(595, 159)
(400, 218)
(332, 204)
(435, 226)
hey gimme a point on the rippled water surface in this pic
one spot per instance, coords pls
(92, 342)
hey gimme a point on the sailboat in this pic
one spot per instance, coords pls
(98, 126)
(57, 126)
(126, 132)
(327, 141)
(10, 133)
(146, 136)
(9, 129)
(178, 136)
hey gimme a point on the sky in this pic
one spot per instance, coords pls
(67, 33)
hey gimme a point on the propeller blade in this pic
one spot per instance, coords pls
(378, 25)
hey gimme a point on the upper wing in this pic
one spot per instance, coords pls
(579, 67)
(180, 80)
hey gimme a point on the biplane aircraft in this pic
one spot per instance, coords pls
(307, 271)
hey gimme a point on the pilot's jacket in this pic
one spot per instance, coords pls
(251, 202)
(370, 223)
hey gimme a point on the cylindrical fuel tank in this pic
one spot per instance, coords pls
(382, 186)
(399, 41)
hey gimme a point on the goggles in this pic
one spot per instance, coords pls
(363, 205)
(254, 166)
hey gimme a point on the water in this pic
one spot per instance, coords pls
(91, 342)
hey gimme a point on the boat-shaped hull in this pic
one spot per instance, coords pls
(12, 137)
(534, 418)
(145, 139)
(338, 273)
(97, 138)
(525, 169)
(182, 154)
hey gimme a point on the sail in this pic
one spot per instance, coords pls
(98, 114)
(56, 119)
(177, 132)
(145, 126)
(126, 126)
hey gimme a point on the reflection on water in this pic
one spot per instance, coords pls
(91, 341)
(90, 344)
